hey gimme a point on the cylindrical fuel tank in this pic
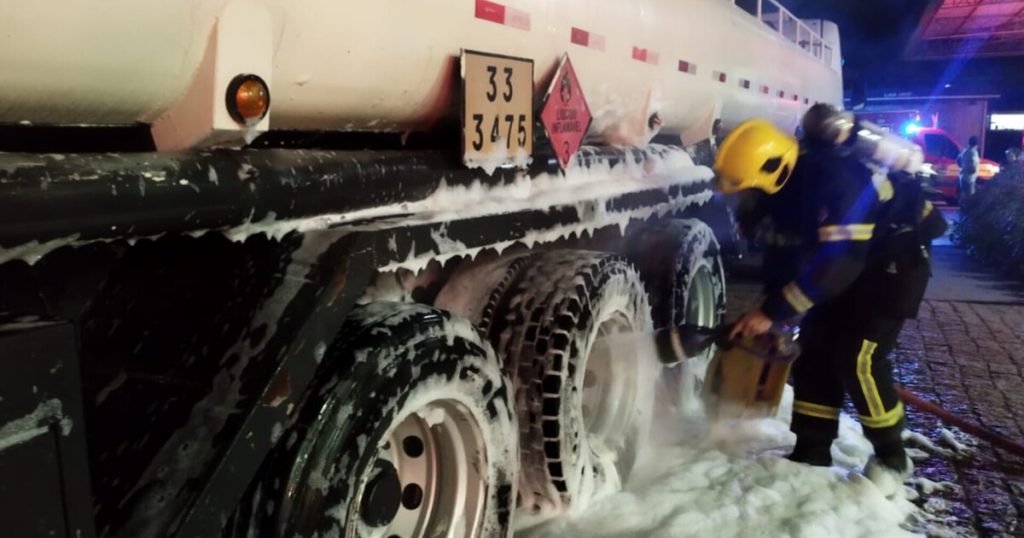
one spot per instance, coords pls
(391, 65)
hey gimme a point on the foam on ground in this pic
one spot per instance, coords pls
(728, 479)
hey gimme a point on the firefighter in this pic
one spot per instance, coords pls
(846, 249)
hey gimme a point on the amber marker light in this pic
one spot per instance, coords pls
(248, 99)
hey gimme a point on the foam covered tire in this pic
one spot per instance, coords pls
(546, 318)
(473, 291)
(680, 263)
(410, 433)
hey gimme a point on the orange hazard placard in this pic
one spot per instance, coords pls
(497, 113)
(565, 114)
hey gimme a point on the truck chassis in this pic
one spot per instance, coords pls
(197, 295)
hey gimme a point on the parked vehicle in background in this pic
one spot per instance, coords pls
(941, 151)
(898, 120)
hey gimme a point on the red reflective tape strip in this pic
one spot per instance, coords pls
(495, 12)
(517, 18)
(587, 39)
(580, 37)
(646, 56)
(490, 11)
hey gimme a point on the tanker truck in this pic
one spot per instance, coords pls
(324, 268)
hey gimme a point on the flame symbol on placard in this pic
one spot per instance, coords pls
(565, 89)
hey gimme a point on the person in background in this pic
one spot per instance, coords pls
(1013, 158)
(846, 250)
(968, 161)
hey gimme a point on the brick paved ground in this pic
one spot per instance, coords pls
(968, 358)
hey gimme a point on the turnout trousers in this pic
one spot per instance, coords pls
(845, 355)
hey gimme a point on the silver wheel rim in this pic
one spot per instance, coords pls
(439, 455)
(700, 302)
(701, 310)
(683, 383)
(609, 388)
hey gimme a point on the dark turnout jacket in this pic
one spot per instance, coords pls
(839, 232)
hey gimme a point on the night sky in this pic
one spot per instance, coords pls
(872, 30)
(875, 34)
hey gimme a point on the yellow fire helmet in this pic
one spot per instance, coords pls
(755, 155)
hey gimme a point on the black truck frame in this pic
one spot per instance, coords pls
(159, 313)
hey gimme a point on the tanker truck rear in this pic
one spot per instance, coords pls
(322, 268)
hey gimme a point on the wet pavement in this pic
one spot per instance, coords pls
(960, 278)
(965, 353)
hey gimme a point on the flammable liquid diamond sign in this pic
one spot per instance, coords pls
(565, 114)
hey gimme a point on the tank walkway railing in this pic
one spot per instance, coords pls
(780, 19)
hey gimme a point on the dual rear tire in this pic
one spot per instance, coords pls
(583, 413)
(682, 266)
(417, 427)
(404, 434)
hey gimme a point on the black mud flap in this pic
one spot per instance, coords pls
(44, 475)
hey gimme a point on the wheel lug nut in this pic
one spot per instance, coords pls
(382, 496)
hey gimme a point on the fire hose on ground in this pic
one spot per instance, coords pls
(976, 430)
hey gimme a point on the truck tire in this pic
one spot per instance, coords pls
(410, 433)
(680, 262)
(474, 291)
(583, 414)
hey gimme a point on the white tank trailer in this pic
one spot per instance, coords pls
(388, 65)
(249, 286)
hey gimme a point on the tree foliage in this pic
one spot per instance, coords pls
(991, 224)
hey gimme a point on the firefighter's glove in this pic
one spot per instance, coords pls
(752, 323)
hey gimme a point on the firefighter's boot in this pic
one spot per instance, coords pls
(889, 468)
(889, 476)
(812, 450)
